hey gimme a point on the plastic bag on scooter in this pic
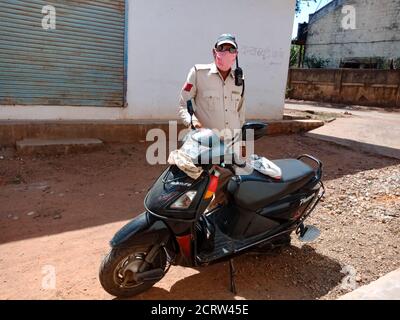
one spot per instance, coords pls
(265, 166)
(199, 147)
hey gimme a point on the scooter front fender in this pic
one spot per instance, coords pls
(145, 228)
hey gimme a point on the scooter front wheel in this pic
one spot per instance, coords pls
(119, 270)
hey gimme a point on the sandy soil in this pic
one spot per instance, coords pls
(58, 213)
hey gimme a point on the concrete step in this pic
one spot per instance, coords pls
(385, 288)
(120, 131)
(295, 117)
(356, 145)
(57, 146)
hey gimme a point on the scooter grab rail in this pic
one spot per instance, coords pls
(319, 163)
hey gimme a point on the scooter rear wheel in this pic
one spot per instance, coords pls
(120, 282)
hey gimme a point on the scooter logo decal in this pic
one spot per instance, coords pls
(167, 197)
(179, 183)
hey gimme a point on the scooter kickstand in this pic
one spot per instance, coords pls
(232, 272)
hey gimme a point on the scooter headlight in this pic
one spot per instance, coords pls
(184, 201)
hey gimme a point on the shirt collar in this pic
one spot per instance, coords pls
(214, 69)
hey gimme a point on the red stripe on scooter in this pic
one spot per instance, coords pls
(212, 187)
(185, 244)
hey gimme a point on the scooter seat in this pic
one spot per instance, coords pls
(294, 170)
(256, 190)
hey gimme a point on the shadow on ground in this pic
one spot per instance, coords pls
(259, 277)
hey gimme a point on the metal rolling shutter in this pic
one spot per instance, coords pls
(80, 63)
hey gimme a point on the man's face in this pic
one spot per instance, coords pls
(224, 56)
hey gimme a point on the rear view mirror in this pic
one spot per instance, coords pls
(260, 129)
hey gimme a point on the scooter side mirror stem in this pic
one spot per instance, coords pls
(190, 110)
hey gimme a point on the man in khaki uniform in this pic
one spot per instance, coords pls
(216, 100)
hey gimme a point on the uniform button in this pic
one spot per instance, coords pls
(226, 97)
(226, 109)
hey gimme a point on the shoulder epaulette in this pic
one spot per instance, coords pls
(203, 66)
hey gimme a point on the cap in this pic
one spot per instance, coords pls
(226, 38)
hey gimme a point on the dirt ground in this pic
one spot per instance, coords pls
(58, 213)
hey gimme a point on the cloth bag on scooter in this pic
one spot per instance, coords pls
(264, 166)
(184, 158)
(183, 161)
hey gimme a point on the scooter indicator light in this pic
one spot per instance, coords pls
(212, 187)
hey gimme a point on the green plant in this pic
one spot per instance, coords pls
(294, 55)
(381, 63)
(288, 92)
(385, 63)
(316, 62)
(298, 5)
(396, 63)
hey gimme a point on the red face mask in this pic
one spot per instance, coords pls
(224, 60)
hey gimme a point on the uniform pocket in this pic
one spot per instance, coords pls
(236, 100)
(211, 98)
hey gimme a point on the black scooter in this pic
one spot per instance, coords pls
(177, 229)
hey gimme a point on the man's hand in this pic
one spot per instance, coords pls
(244, 151)
(198, 125)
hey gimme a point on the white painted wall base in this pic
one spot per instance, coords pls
(62, 113)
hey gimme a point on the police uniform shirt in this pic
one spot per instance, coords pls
(217, 103)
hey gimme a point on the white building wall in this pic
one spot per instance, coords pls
(376, 33)
(166, 38)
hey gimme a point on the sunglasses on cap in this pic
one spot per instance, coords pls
(221, 48)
